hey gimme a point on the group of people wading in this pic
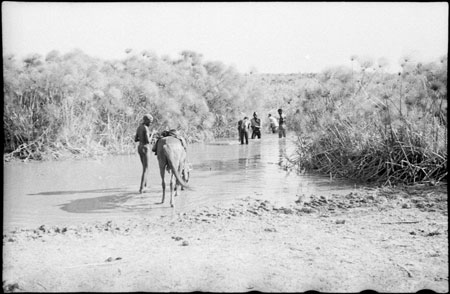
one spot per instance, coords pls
(254, 124)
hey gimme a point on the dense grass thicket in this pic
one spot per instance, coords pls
(73, 103)
(366, 124)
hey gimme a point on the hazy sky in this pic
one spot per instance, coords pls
(273, 37)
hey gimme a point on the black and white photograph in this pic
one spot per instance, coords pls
(225, 147)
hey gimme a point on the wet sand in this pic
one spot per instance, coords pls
(379, 239)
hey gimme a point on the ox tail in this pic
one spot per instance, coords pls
(175, 170)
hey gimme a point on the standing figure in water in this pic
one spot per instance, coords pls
(256, 126)
(281, 124)
(273, 124)
(144, 150)
(244, 130)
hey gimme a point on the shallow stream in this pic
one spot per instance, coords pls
(75, 191)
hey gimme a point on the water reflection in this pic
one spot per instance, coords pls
(249, 157)
(282, 152)
(243, 156)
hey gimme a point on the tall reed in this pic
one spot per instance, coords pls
(76, 104)
(391, 129)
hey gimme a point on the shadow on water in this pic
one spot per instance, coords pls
(53, 193)
(96, 204)
(123, 201)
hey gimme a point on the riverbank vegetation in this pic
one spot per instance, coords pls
(77, 104)
(369, 125)
(360, 122)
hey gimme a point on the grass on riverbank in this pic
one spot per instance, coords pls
(376, 127)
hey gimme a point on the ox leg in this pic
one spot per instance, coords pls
(177, 185)
(171, 189)
(163, 184)
(182, 173)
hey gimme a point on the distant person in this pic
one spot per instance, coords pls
(239, 130)
(273, 124)
(256, 126)
(245, 127)
(144, 150)
(281, 124)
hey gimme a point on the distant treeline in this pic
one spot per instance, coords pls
(83, 105)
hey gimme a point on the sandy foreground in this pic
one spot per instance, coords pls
(378, 239)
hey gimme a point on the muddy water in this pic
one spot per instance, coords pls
(76, 191)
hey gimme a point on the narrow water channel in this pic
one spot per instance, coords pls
(76, 191)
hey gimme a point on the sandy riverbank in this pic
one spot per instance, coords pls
(379, 239)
